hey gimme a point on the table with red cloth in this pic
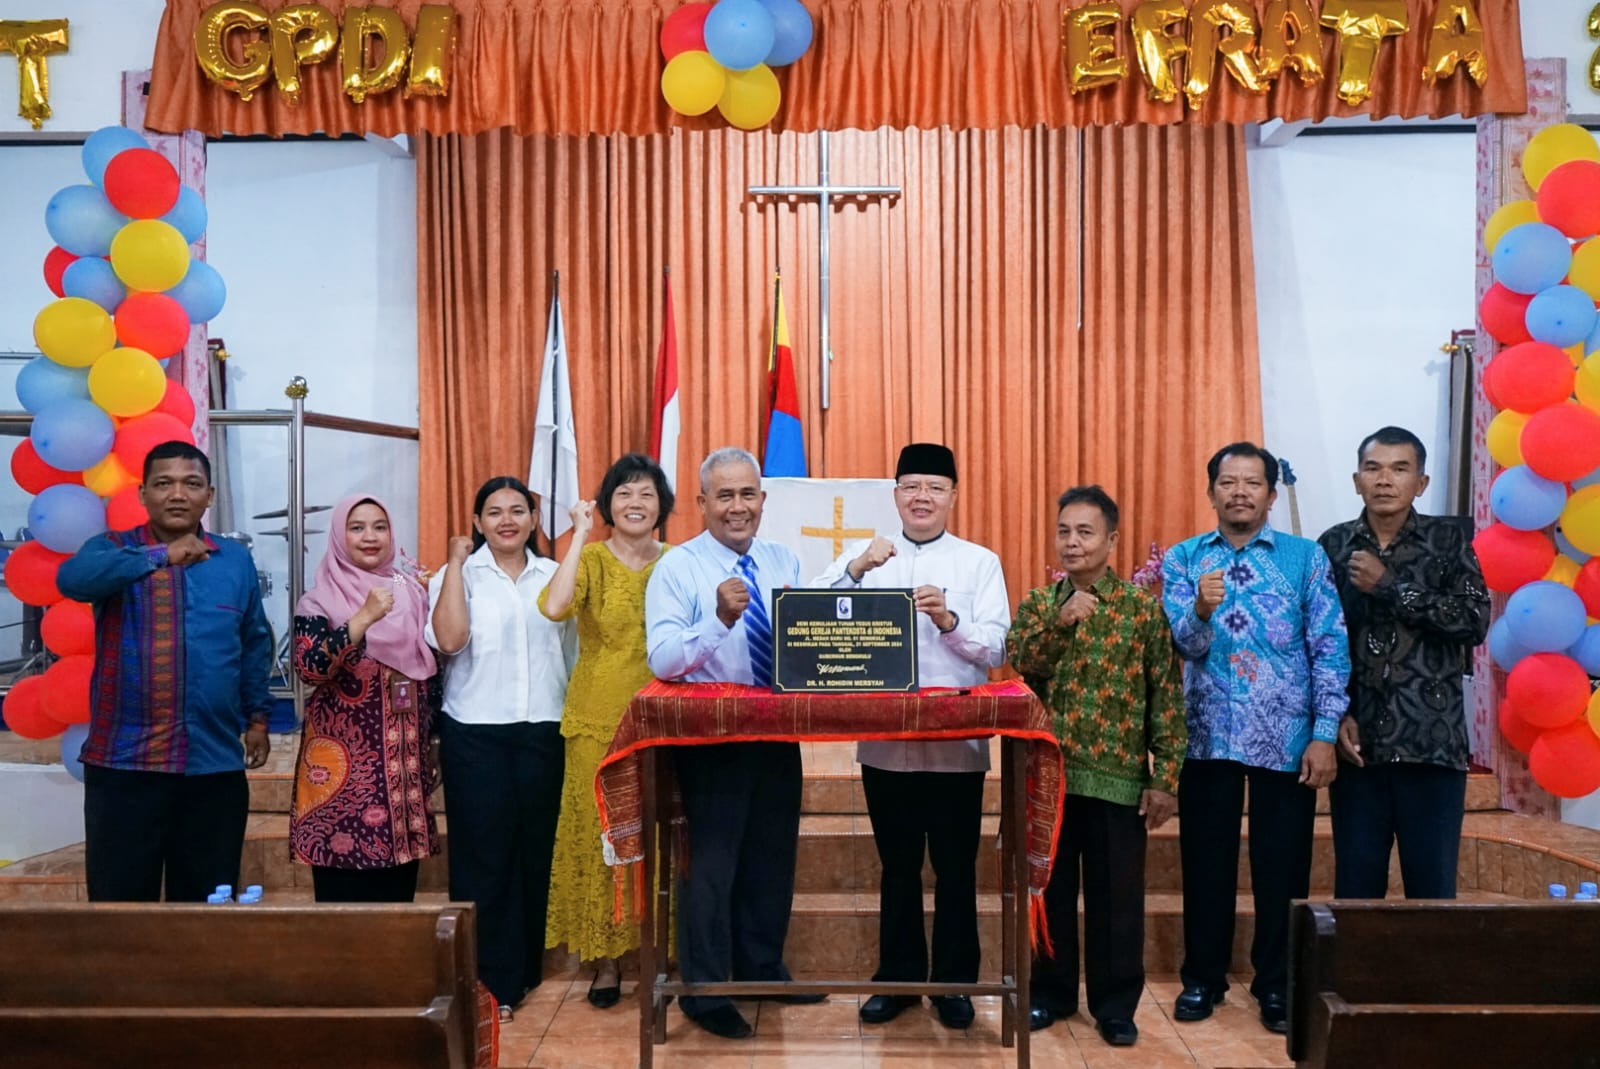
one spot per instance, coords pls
(635, 805)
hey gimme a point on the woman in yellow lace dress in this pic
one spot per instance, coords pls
(603, 584)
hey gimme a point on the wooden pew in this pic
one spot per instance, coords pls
(1434, 984)
(237, 986)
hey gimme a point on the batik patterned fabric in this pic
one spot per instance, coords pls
(1266, 674)
(366, 768)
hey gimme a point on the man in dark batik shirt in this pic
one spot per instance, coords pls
(1415, 605)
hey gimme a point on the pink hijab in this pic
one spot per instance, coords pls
(341, 589)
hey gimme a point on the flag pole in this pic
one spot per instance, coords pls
(555, 407)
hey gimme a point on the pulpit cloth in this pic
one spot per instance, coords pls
(696, 714)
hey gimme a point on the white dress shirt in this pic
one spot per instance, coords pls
(683, 637)
(515, 665)
(975, 590)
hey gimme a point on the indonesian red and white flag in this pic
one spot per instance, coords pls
(664, 403)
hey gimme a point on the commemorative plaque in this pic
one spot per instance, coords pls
(833, 641)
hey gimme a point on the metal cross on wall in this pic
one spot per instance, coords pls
(824, 192)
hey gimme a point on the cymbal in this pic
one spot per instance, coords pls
(283, 514)
(283, 532)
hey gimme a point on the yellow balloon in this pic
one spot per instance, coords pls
(1580, 520)
(127, 382)
(751, 98)
(1593, 714)
(1553, 146)
(74, 331)
(692, 82)
(1564, 570)
(109, 478)
(1586, 383)
(1512, 213)
(148, 254)
(1504, 438)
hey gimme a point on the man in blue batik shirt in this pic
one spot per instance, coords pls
(1256, 617)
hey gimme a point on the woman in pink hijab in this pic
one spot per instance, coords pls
(360, 816)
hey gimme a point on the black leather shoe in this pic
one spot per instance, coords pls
(880, 1009)
(1274, 1013)
(1195, 1003)
(724, 1021)
(955, 1011)
(1117, 1031)
(1040, 1017)
(603, 998)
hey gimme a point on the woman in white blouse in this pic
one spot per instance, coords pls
(501, 749)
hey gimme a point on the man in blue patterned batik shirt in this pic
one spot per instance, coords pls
(1256, 618)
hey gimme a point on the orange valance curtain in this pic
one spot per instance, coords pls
(594, 66)
(956, 311)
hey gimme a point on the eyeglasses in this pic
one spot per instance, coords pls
(916, 489)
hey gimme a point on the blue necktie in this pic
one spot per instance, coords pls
(757, 627)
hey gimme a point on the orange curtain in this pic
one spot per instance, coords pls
(594, 66)
(956, 311)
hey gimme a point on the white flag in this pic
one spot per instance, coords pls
(553, 469)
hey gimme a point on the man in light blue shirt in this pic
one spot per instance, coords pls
(707, 620)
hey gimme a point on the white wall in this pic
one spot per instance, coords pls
(104, 38)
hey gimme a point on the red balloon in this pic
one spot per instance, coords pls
(125, 511)
(23, 713)
(55, 262)
(140, 183)
(137, 436)
(1510, 557)
(30, 574)
(1561, 442)
(1518, 732)
(68, 628)
(33, 474)
(1569, 198)
(177, 403)
(684, 30)
(153, 322)
(1550, 690)
(1566, 761)
(1532, 376)
(66, 689)
(1504, 315)
(1486, 380)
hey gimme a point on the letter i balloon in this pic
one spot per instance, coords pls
(128, 294)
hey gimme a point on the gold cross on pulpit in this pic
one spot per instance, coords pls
(838, 532)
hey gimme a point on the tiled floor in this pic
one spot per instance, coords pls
(556, 1028)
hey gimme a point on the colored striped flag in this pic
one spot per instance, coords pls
(785, 452)
(664, 402)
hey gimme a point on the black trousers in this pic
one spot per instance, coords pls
(502, 790)
(1104, 842)
(140, 825)
(396, 883)
(938, 813)
(1282, 814)
(742, 801)
(1417, 806)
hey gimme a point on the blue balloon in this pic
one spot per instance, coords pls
(739, 34)
(63, 517)
(1531, 258)
(1560, 316)
(82, 221)
(42, 382)
(1519, 498)
(1503, 648)
(1592, 342)
(1586, 651)
(201, 292)
(105, 143)
(791, 26)
(1545, 616)
(93, 279)
(188, 216)
(72, 435)
(72, 741)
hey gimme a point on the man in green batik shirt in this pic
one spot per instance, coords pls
(1099, 652)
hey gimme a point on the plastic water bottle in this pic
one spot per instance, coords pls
(254, 889)
(248, 899)
(1558, 890)
(1588, 887)
(226, 891)
(1582, 897)
(215, 899)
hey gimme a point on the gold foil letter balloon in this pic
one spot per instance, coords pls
(1594, 58)
(217, 24)
(301, 34)
(30, 42)
(1223, 28)
(380, 25)
(1289, 38)
(1089, 39)
(1456, 37)
(433, 52)
(1158, 46)
(1362, 25)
